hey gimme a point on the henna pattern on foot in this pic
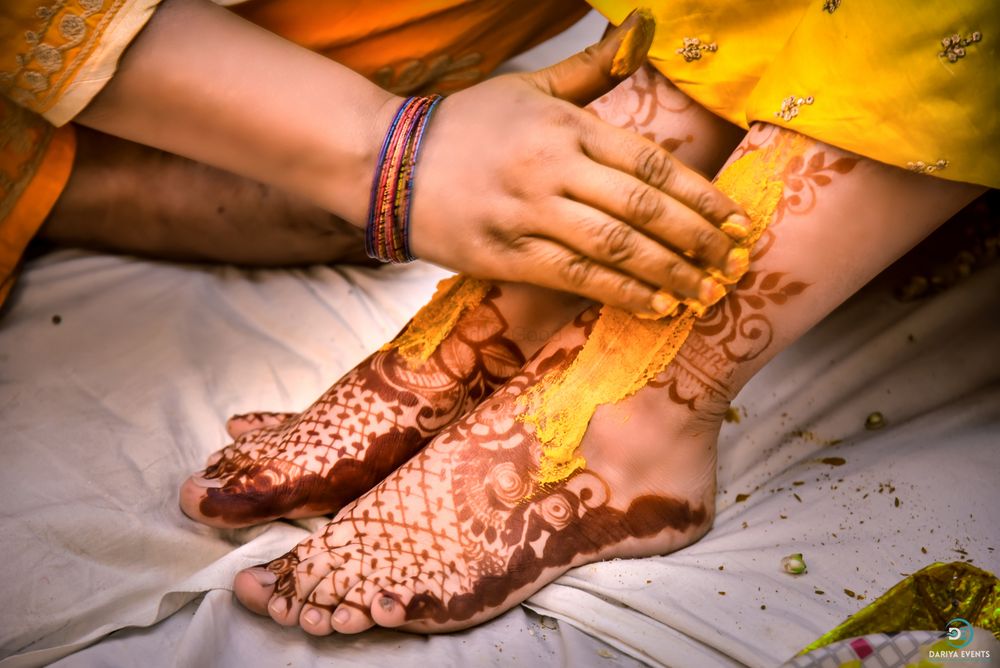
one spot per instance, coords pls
(462, 531)
(367, 424)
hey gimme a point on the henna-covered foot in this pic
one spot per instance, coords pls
(462, 532)
(243, 423)
(371, 421)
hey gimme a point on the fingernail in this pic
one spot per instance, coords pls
(202, 481)
(264, 577)
(639, 28)
(737, 263)
(341, 616)
(710, 291)
(737, 226)
(386, 603)
(663, 303)
(695, 307)
(312, 616)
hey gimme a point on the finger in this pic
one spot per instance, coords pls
(549, 264)
(655, 214)
(609, 241)
(628, 152)
(585, 76)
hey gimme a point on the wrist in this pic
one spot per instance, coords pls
(346, 170)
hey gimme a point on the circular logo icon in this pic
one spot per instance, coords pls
(959, 633)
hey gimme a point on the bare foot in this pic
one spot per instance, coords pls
(371, 421)
(462, 532)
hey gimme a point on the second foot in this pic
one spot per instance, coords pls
(368, 423)
(463, 532)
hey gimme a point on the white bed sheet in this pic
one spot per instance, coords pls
(104, 414)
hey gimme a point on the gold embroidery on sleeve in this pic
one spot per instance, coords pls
(954, 46)
(921, 167)
(790, 106)
(693, 48)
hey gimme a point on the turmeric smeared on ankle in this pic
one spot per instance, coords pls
(435, 321)
(624, 352)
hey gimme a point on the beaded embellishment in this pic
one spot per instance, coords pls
(954, 46)
(921, 167)
(693, 48)
(790, 106)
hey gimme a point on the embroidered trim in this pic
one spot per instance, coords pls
(830, 6)
(44, 59)
(693, 48)
(954, 46)
(790, 106)
(414, 75)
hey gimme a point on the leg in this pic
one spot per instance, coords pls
(313, 463)
(462, 532)
(127, 198)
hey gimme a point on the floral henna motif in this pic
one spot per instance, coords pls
(738, 329)
(363, 427)
(637, 102)
(463, 528)
(802, 177)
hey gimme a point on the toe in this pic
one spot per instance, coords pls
(242, 423)
(389, 608)
(350, 603)
(254, 587)
(297, 582)
(351, 618)
(315, 620)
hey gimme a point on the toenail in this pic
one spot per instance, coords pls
(386, 603)
(312, 617)
(201, 481)
(341, 616)
(264, 577)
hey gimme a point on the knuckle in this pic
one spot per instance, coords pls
(704, 241)
(654, 166)
(563, 117)
(618, 243)
(707, 204)
(674, 272)
(577, 271)
(643, 205)
(625, 288)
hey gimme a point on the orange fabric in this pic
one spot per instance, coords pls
(47, 166)
(410, 47)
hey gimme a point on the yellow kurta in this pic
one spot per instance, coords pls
(908, 83)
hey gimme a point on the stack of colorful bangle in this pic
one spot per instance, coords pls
(388, 230)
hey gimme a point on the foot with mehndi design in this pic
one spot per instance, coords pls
(462, 532)
(371, 421)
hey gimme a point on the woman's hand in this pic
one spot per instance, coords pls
(517, 183)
